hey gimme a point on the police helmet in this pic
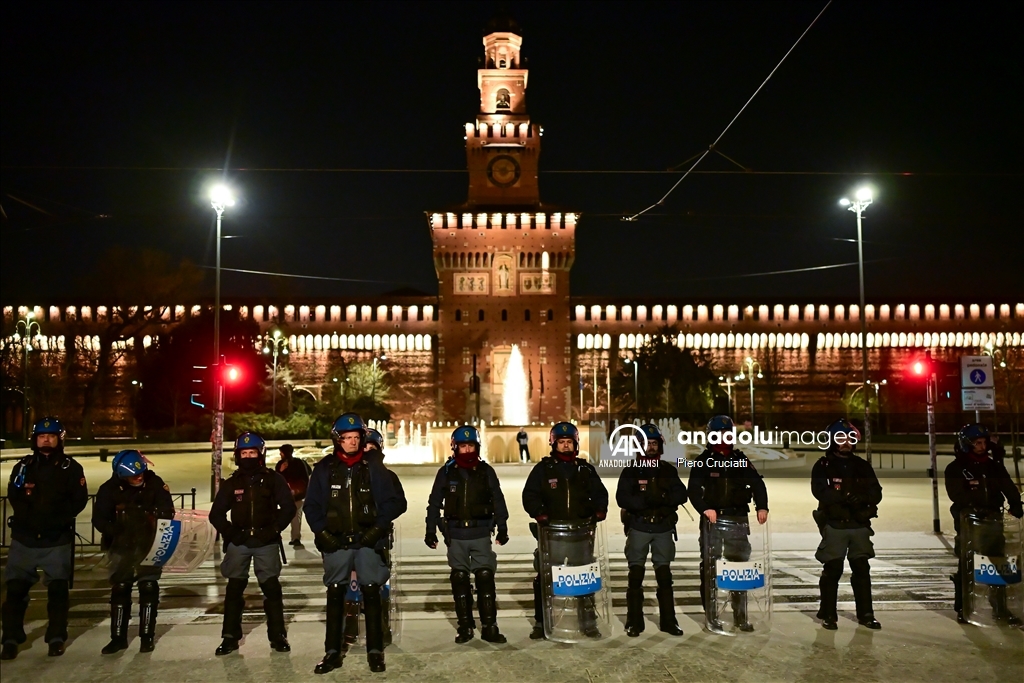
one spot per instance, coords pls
(250, 440)
(376, 438)
(652, 433)
(48, 425)
(349, 422)
(564, 430)
(842, 426)
(465, 434)
(968, 434)
(720, 423)
(129, 463)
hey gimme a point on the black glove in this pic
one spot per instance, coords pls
(1018, 511)
(502, 537)
(231, 535)
(431, 540)
(326, 542)
(371, 536)
(853, 499)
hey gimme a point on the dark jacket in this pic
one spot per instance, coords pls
(388, 504)
(46, 494)
(126, 515)
(471, 499)
(649, 496)
(296, 473)
(847, 491)
(403, 503)
(981, 486)
(261, 506)
(565, 491)
(726, 483)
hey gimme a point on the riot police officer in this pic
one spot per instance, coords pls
(649, 494)
(468, 491)
(350, 506)
(977, 480)
(722, 484)
(261, 507)
(563, 487)
(47, 491)
(125, 513)
(848, 495)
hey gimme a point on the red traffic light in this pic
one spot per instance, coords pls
(231, 374)
(922, 367)
(919, 368)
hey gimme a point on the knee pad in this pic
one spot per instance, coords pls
(663, 574)
(336, 592)
(149, 591)
(832, 570)
(17, 591)
(861, 566)
(459, 577)
(272, 589)
(636, 575)
(484, 574)
(58, 591)
(121, 593)
(236, 587)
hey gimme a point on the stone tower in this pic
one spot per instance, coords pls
(503, 257)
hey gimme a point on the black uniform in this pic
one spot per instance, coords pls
(474, 507)
(566, 491)
(649, 494)
(726, 484)
(980, 486)
(126, 517)
(848, 495)
(46, 493)
(261, 506)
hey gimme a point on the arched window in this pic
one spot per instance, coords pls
(502, 99)
(504, 315)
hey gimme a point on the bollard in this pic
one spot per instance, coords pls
(103, 454)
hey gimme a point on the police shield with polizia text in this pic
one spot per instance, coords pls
(721, 486)
(988, 541)
(261, 507)
(350, 507)
(649, 494)
(848, 494)
(125, 513)
(468, 491)
(47, 490)
(566, 497)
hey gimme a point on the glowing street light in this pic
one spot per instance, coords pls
(221, 198)
(275, 344)
(862, 199)
(24, 327)
(748, 372)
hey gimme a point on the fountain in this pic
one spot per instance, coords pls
(514, 391)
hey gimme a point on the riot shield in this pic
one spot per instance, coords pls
(737, 576)
(181, 544)
(574, 582)
(355, 625)
(990, 567)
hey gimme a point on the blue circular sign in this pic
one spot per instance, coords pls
(978, 376)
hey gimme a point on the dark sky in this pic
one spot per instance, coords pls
(932, 90)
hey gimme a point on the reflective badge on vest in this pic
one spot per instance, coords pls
(239, 494)
(335, 490)
(554, 483)
(453, 488)
(837, 483)
(643, 484)
(713, 474)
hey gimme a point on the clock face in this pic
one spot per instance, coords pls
(503, 171)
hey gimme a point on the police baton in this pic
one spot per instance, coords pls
(280, 546)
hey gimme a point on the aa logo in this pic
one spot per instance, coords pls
(628, 441)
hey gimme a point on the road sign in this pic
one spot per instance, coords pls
(976, 372)
(978, 399)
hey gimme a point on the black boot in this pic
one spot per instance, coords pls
(462, 591)
(57, 606)
(738, 601)
(828, 587)
(666, 602)
(487, 600)
(333, 658)
(374, 627)
(385, 613)
(860, 579)
(635, 601)
(234, 605)
(273, 608)
(149, 598)
(120, 612)
(538, 611)
(13, 618)
(586, 612)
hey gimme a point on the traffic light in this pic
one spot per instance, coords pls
(922, 367)
(230, 375)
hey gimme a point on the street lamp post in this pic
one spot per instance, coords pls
(748, 373)
(636, 382)
(275, 344)
(862, 200)
(728, 388)
(26, 325)
(220, 199)
(999, 360)
(373, 395)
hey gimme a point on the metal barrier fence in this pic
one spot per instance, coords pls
(90, 532)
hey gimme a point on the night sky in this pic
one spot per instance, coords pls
(123, 110)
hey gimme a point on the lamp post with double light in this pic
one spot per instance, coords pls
(25, 328)
(861, 200)
(275, 344)
(749, 369)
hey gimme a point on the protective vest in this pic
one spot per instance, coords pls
(252, 501)
(567, 498)
(843, 476)
(136, 509)
(723, 490)
(468, 498)
(44, 508)
(350, 506)
(653, 487)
